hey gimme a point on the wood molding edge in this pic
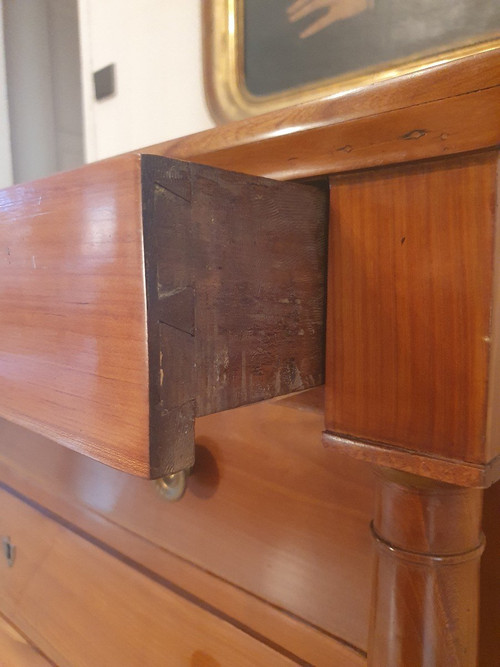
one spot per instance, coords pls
(450, 471)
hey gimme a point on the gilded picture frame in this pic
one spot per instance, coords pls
(226, 72)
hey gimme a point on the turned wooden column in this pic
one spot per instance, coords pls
(413, 386)
(425, 599)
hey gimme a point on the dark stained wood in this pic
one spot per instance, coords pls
(236, 294)
(489, 637)
(426, 584)
(409, 329)
(234, 303)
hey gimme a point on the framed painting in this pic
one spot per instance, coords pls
(262, 55)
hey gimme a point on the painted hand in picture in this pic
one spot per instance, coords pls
(335, 11)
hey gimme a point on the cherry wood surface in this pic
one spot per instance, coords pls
(141, 292)
(410, 297)
(73, 358)
(489, 637)
(235, 281)
(245, 610)
(449, 108)
(426, 583)
(271, 522)
(268, 509)
(57, 482)
(16, 651)
(85, 615)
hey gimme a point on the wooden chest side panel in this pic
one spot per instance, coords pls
(73, 357)
(410, 285)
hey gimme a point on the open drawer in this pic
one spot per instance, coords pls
(140, 292)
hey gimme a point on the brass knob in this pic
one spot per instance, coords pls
(172, 487)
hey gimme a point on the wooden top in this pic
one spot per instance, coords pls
(447, 108)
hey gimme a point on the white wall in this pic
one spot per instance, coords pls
(156, 47)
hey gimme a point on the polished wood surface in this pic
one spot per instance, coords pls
(73, 359)
(226, 92)
(16, 651)
(85, 615)
(310, 643)
(273, 530)
(409, 333)
(263, 487)
(228, 272)
(489, 637)
(445, 109)
(426, 590)
(76, 490)
(396, 136)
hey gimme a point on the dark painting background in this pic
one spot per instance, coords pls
(276, 58)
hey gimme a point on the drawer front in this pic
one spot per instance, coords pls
(15, 650)
(266, 509)
(84, 607)
(178, 289)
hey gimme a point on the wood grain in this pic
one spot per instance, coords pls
(450, 108)
(260, 618)
(410, 292)
(489, 637)
(291, 517)
(426, 585)
(228, 100)
(15, 651)
(236, 273)
(228, 271)
(452, 471)
(73, 359)
(61, 606)
(259, 508)
(456, 125)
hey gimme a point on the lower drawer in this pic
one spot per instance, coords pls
(16, 651)
(83, 607)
